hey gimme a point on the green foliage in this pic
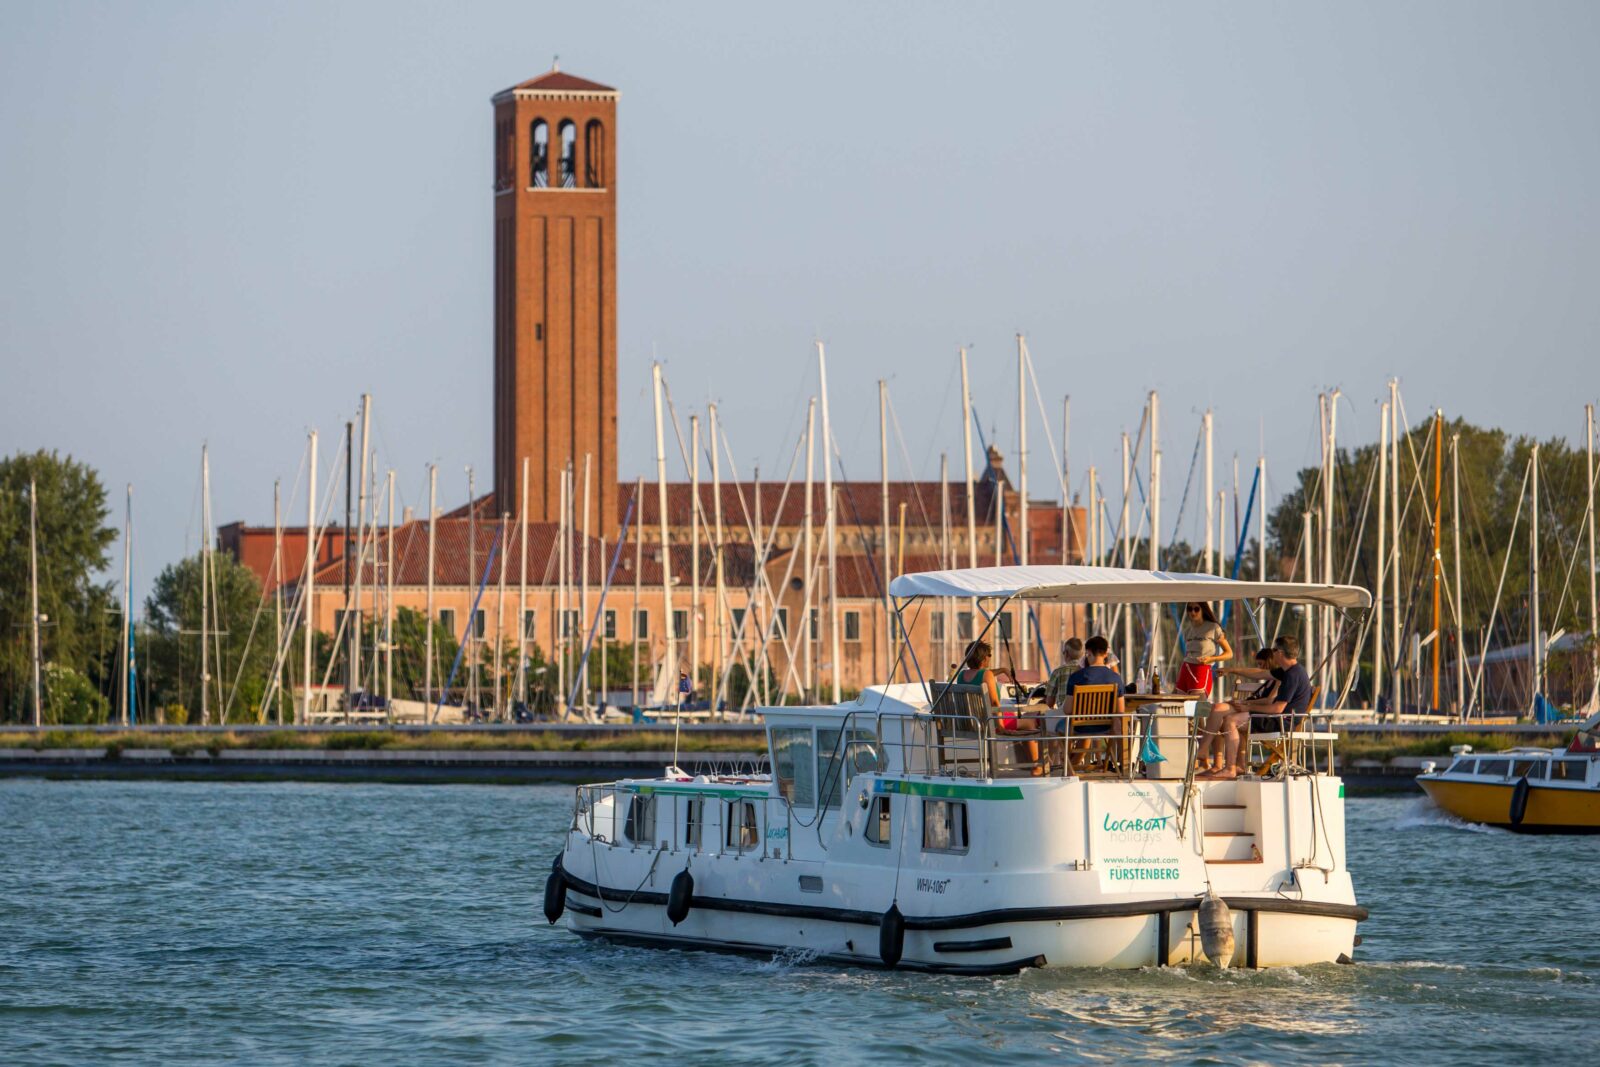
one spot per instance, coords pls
(72, 698)
(81, 634)
(172, 646)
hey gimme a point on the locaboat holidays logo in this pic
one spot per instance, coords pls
(1136, 826)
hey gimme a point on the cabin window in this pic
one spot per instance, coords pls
(944, 826)
(742, 832)
(693, 819)
(861, 755)
(1570, 770)
(879, 827)
(640, 825)
(1522, 768)
(1464, 766)
(852, 626)
(794, 764)
(1493, 767)
(1540, 770)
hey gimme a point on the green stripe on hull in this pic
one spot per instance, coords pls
(947, 792)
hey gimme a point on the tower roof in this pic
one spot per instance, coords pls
(556, 80)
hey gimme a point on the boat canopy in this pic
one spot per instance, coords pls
(1115, 585)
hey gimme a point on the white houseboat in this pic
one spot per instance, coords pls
(904, 828)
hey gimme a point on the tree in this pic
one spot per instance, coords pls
(241, 630)
(73, 545)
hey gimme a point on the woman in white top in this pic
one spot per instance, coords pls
(1204, 643)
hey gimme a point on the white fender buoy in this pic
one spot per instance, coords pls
(1216, 929)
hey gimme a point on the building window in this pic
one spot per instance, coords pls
(447, 620)
(880, 827)
(478, 629)
(738, 620)
(341, 624)
(815, 626)
(783, 622)
(936, 626)
(539, 154)
(538, 331)
(852, 626)
(529, 619)
(680, 625)
(1003, 627)
(569, 153)
(611, 624)
(594, 154)
(944, 826)
(641, 625)
(573, 627)
(963, 626)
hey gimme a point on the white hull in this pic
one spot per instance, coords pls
(1057, 872)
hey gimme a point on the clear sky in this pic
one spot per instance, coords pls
(224, 222)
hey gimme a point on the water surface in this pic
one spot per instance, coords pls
(147, 922)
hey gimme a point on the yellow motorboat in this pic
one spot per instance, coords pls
(1529, 790)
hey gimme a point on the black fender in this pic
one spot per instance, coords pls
(891, 936)
(555, 892)
(679, 895)
(1519, 800)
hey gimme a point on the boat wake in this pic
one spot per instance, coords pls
(1424, 814)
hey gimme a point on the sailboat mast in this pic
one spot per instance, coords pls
(388, 611)
(583, 586)
(205, 586)
(694, 546)
(1383, 558)
(471, 638)
(721, 606)
(521, 684)
(944, 558)
(1155, 526)
(307, 599)
(500, 622)
(808, 639)
(1022, 486)
(1211, 547)
(1455, 553)
(33, 598)
(966, 439)
(638, 581)
(883, 500)
(1397, 613)
(127, 605)
(1438, 565)
(669, 668)
(362, 504)
(1127, 549)
(830, 527)
(277, 598)
(1594, 605)
(428, 623)
(1536, 640)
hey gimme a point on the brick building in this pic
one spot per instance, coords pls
(555, 389)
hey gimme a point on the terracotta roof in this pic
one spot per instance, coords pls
(559, 81)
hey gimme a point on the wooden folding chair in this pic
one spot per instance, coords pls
(1286, 746)
(959, 712)
(1093, 707)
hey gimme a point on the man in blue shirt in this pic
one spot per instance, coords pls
(1282, 711)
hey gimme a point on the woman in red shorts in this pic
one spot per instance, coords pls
(1204, 643)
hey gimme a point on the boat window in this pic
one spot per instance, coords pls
(1522, 768)
(1540, 770)
(1494, 767)
(742, 833)
(1570, 770)
(944, 826)
(830, 767)
(794, 764)
(862, 755)
(693, 820)
(1464, 766)
(640, 825)
(879, 829)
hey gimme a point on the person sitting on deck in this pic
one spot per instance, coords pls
(977, 672)
(1098, 649)
(1281, 712)
(1204, 643)
(1211, 747)
(1055, 690)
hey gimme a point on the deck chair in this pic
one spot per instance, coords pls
(960, 711)
(1094, 707)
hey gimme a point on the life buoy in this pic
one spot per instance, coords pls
(1519, 800)
(555, 893)
(891, 936)
(679, 895)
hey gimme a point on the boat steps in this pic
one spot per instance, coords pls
(1231, 846)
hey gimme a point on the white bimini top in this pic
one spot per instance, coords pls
(1115, 585)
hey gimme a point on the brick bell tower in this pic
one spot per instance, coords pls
(555, 295)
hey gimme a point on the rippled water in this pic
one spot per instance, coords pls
(179, 922)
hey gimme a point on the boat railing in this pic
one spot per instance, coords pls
(726, 821)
